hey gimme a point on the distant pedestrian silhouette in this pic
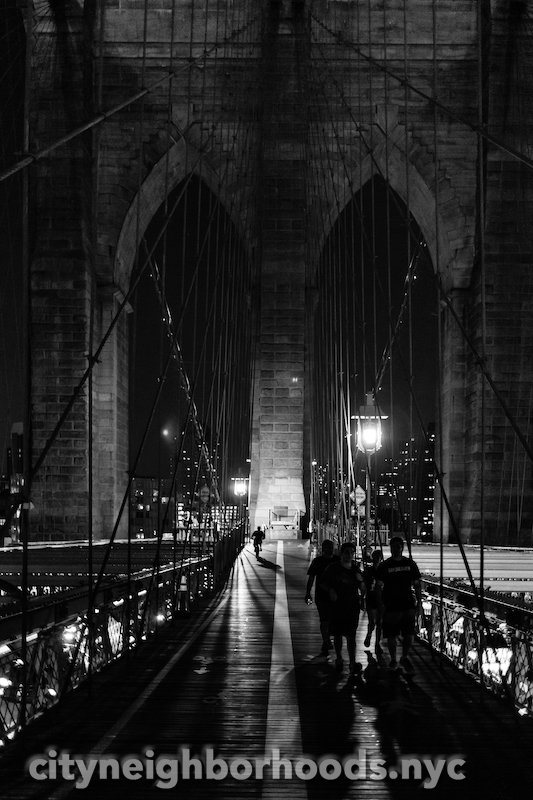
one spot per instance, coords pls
(257, 538)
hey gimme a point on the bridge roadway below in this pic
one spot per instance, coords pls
(243, 676)
(504, 569)
(66, 563)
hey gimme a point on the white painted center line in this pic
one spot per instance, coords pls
(283, 730)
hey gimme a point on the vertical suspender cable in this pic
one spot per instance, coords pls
(99, 19)
(481, 147)
(162, 281)
(373, 203)
(410, 448)
(436, 268)
(390, 440)
(27, 339)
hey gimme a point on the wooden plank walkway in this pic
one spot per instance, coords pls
(244, 679)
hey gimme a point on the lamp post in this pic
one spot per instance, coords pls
(312, 503)
(172, 438)
(369, 442)
(240, 490)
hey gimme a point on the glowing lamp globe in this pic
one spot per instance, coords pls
(369, 427)
(239, 487)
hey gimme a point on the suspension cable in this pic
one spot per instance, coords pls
(32, 158)
(339, 35)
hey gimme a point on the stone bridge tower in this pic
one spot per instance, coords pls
(402, 88)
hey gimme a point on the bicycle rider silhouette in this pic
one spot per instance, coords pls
(258, 537)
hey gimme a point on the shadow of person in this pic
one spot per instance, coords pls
(326, 707)
(264, 562)
(405, 713)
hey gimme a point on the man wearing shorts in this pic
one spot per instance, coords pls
(346, 588)
(397, 577)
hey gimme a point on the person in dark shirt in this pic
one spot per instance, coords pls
(257, 538)
(316, 568)
(373, 613)
(345, 585)
(397, 576)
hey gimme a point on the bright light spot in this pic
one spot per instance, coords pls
(369, 436)
(522, 712)
(240, 488)
(495, 663)
(5, 682)
(160, 617)
(52, 692)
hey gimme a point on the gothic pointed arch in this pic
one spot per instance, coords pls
(168, 172)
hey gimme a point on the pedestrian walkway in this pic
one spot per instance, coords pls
(244, 683)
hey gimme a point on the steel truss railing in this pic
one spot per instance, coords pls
(66, 643)
(499, 655)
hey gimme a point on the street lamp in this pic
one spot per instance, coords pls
(239, 487)
(368, 441)
(369, 426)
(172, 438)
(313, 499)
(240, 490)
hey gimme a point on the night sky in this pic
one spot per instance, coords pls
(370, 240)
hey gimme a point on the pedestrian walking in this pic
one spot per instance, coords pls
(399, 598)
(322, 602)
(346, 589)
(372, 610)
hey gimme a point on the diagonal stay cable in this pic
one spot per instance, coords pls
(92, 361)
(32, 158)
(482, 366)
(173, 329)
(438, 474)
(481, 130)
(170, 358)
(448, 303)
(94, 589)
(387, 352)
